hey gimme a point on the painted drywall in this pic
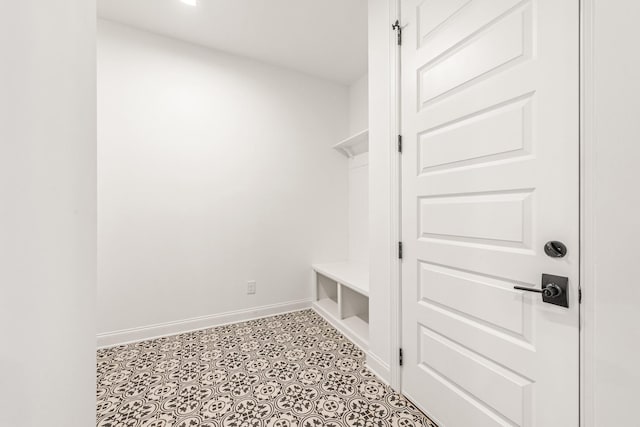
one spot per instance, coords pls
(381, 248)
(326, 38)
(213, 170)
(612, 227)
(359, 174)
(48, 213)
(359, 208)
(359, 105)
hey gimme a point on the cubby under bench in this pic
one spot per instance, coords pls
(342, 297)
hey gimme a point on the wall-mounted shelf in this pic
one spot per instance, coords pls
(342, 297)
(355, 144)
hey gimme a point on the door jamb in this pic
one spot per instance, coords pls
(587, 219)
(396, 201)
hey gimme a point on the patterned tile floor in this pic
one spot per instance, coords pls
(293, 369)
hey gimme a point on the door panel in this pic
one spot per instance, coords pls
(443, 286)
(499, 132)
(489, 174)
(492, 50)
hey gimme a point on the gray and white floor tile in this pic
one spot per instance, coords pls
(289, 370)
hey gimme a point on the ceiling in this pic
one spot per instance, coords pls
(325, 38)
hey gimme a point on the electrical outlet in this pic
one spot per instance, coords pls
(251, 287)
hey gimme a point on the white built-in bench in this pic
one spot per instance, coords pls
(342, 297)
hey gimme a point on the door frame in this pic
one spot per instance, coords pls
(395, 308)
(586, 212)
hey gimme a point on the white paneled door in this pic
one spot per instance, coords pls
(490, 120)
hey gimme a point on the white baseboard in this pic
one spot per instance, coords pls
(125, 336)
(378, 367)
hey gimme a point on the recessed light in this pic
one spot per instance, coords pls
(190, 2)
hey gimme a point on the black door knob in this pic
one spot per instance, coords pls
(555, 249)
(552, 291)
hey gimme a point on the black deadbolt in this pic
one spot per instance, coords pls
(555, 249)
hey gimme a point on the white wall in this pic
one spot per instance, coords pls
(612, 225)
(359, 174)
(47, 213)
(359, 208)
(213, 170)
(359, 105)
